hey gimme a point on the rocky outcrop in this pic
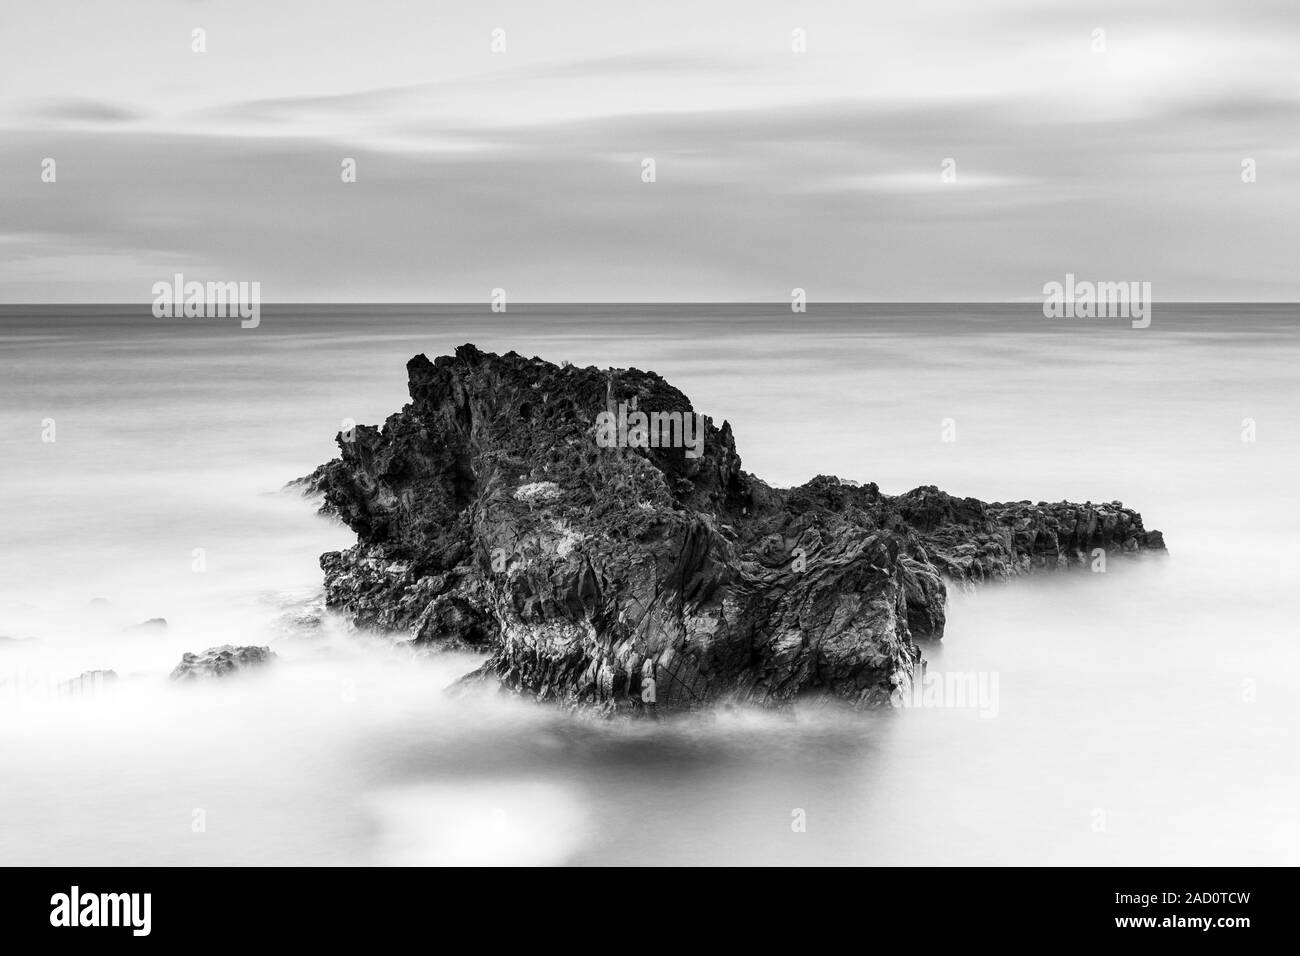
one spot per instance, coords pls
(521, 508)
(221, 662)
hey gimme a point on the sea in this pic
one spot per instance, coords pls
(1142, 712)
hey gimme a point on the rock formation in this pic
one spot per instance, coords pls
(613, 564)
(221, 662)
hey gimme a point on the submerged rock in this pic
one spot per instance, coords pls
(492, 512)
(309, 619)
(221, 661)
(88, 682)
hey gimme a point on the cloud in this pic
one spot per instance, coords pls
(747, 205)
(773, 170)
(74, 112)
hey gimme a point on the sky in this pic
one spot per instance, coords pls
(934, 150)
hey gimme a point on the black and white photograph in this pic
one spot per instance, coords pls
(675, 435)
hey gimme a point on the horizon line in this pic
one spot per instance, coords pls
(643, 302)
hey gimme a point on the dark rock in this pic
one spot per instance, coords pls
(221, 662)
(487, 515)
(312, 486)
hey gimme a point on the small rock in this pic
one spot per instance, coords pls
(221, 661)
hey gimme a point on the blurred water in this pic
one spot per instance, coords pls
(1150, 714)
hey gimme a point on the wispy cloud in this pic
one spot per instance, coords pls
(773, 170)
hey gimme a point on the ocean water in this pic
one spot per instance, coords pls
(1149, 714)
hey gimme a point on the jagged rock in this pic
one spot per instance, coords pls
(311, 486)
(221, 662)
(489, 514)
